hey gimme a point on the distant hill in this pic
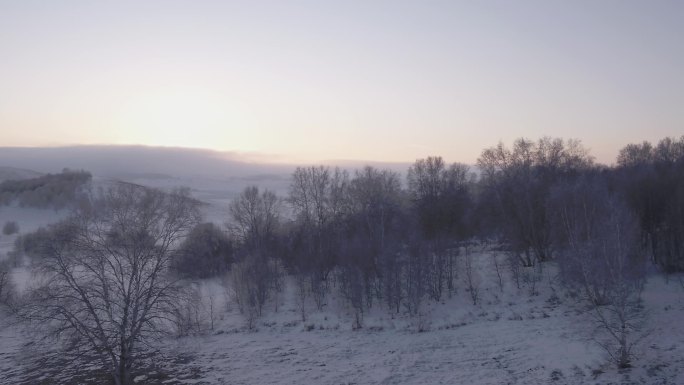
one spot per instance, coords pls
(127, 162)
(12, 173)
(136, 162)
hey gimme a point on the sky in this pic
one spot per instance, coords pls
(311, 81)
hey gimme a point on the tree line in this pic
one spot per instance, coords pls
(55, 191)
(395, 241)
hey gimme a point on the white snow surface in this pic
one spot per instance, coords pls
(13, 173)
(509, 338)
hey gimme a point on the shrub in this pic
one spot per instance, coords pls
(11, 227)
(40, 243)
(206, 252)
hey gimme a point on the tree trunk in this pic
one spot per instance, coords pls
(623, 359)
(123, 374)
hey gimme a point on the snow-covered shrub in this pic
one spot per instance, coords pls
(43, 242)
(190, 315)
(303, 290)
(10, 227)
(206, 252)
(422, 321)
(532, 276)
(353, 289)
(247, 292)
(15, 258)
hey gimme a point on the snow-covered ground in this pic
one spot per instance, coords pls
(510, 337)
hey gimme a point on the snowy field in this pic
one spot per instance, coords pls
(509, 337)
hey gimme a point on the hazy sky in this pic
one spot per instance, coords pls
(312, 81)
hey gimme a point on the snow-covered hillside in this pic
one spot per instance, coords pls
(13, 173)
(512, 336)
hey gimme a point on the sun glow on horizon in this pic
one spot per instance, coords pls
(181, 118)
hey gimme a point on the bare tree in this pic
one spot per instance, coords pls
(302, 293)
(471, 278)
(105, 282)
(375, 198)
(248, 291)
(254, 217)
(652, 179)
(318, 198)
(370, 247)
(518, 180)
(514, 265)
(414, 277)
(600, 254)
(189, 314)
(7, 289)
(440, 199)
(497, 269)
(352, 287)
(635, 154)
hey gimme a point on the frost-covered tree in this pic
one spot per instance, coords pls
(517, 181)
(601, 257)
(318, 198)
(368, 251)
(440, 198)
(652, 180)
(255, 218)
(105, 285)
(207, 251)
